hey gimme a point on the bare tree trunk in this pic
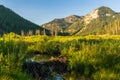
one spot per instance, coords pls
(30, 33)
(52, 31)
(44, 32)
(37, 32)
(56, 31)
(22, 33)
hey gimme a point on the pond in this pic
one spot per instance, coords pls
(43, 60)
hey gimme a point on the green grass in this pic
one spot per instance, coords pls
(97, 57)
(12, 56)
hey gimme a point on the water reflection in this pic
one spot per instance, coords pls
(70, 76)
(58, 77)
(55, 76)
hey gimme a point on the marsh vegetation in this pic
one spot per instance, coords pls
(86, 57)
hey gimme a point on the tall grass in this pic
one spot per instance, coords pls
(91, 57)
(97, 57)
(12, 55)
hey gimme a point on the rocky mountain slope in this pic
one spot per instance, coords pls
(60, 25)
(93, 23)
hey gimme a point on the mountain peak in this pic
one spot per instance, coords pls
(105, 10)
(102, 11)
(1, 6)
(71, 18)
(74, 16)
(104, 7)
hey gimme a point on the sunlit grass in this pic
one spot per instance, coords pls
(92, 56)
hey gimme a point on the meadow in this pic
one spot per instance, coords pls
(93, 56)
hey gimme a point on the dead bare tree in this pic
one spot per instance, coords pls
(22, 33)
(37, 32)
(56, 31)
(30, 33)
(44, 31)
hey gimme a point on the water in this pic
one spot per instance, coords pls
(64, 76)
(58, 77)
(70, 76)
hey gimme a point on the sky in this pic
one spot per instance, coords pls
(43, 11)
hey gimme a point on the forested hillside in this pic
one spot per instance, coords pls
(12, 22)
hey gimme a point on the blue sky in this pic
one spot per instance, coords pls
(42, 11)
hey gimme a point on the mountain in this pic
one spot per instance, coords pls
(102, 20)
(12, 22)
(96, 22)
(61, 24)
(98, 13)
